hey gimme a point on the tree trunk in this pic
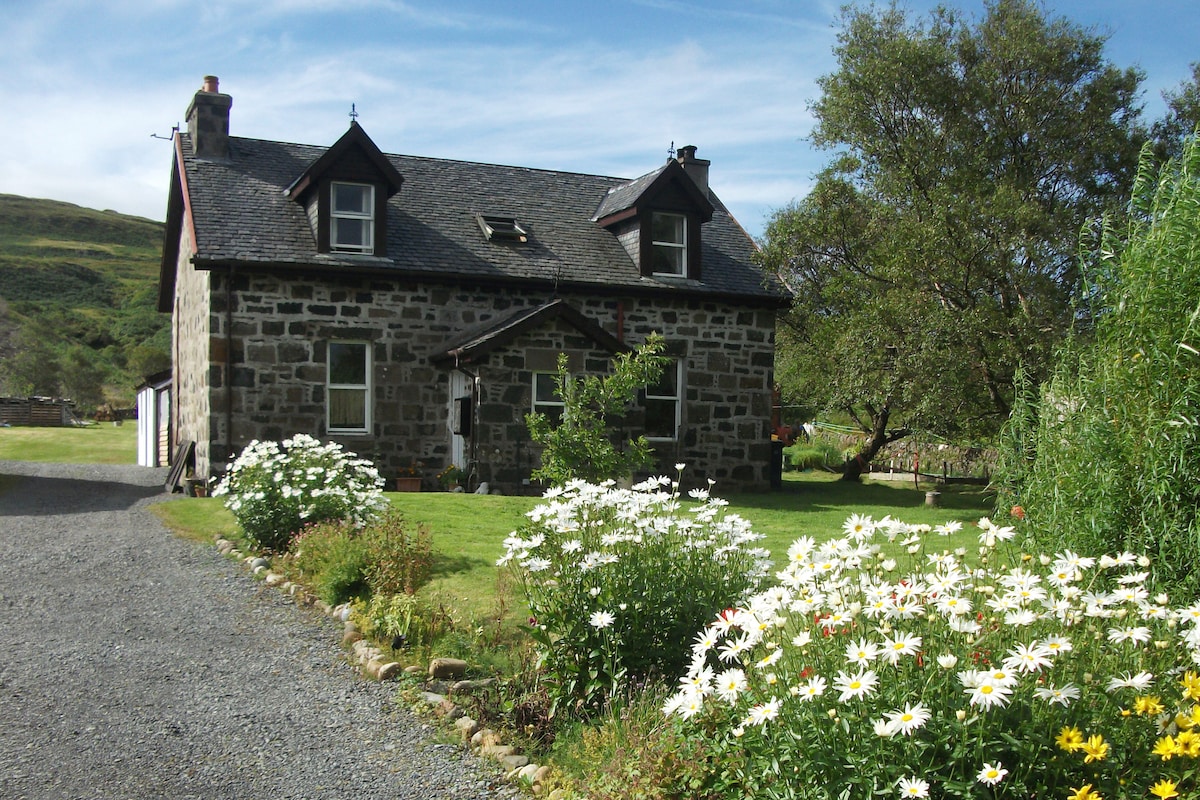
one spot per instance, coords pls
(878, 437)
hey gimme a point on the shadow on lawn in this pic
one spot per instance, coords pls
(445, 565)
(820, 495)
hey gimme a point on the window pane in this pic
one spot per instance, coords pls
(351, 232)
(667, 228)
(668, 384)
(354, 199)
(660, 419)
(667, 259)
(543, 389)
(347, 363)
(347, 409)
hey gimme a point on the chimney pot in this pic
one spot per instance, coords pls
(211, 82)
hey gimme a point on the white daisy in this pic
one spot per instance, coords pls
(913, 787)
(855, 686)
(1139, 682)
(813, 688)
(1136, 635)
(761, 713)
(909, 719)
(991, 774)
(861, 652)
(1057, 695)
(601, 619)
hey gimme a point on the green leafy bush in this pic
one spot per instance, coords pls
(632, 753)
(1109, 449)
(617, 579)
(814, 454)
(580, 446)
(932, 675)
(400, 559)
(389, 617)
(274, 489)
(334, 559)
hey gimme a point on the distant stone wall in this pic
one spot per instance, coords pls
(281, 328)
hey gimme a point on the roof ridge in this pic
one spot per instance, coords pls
(445, 160)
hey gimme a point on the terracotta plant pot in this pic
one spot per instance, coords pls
(411, 484)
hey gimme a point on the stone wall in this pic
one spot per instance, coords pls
(194, 361)
(281, 327)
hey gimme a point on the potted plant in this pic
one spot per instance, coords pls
(409, 478)
(450, 478)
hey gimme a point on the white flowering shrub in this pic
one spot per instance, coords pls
(276, 488)
(617, 580)
(862, 675)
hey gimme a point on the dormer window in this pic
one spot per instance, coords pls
(352, 217)
(668, 244)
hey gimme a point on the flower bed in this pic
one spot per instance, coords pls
(931, 674)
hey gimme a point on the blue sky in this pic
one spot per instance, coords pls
(598, 87)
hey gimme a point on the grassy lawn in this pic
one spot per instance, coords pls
(468, 529)
(96, 444)
(817, 503)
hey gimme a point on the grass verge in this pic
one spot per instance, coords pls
(94, 444)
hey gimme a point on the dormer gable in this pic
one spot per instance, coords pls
(345, 194)
(657, 218)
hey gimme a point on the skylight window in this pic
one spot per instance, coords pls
(506, 228)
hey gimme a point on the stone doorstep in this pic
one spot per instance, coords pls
(486, 742)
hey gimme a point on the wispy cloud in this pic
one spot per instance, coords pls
(597, 87)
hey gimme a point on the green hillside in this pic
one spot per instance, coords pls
(77, 302)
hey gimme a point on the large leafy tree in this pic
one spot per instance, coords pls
(938, 249)
(1181, 119)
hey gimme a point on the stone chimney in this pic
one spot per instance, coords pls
(697, 168)
(208, 121)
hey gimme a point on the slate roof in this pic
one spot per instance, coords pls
(242, 216)
(621, 197)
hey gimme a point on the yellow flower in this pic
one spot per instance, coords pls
(1147, 705)
(1084, 793)
(1164, 789)
(1165, 747)
(1187, 743)
(1193, 716)
(1191, 684)
(1069, 739)
(1184, 721)
(1095, 749)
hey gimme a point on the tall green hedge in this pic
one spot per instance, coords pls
(1106, 455)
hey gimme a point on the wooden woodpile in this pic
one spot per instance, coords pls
(38, 411)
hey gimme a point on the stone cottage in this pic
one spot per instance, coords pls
(413, 308)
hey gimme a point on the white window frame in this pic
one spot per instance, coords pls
(368, 245)
(680, 246)
(366, 388)
(677, 398)
(541, 406)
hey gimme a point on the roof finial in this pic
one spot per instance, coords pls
(671, 151)
(354, 115)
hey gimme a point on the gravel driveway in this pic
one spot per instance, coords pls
(137, 665)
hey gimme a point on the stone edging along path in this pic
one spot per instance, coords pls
(443, 680)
